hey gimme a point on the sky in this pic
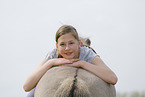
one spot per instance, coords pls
(116, 29)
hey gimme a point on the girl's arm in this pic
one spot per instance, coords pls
(98, 68)
(32, 80)
(42, 68)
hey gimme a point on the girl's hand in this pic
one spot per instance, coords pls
(75, 64)
(61, 61)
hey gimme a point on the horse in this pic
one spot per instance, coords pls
(65, 81)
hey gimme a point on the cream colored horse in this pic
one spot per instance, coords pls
(72, 82)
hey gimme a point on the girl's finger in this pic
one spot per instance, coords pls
(75, 60)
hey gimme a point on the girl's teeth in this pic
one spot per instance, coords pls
(68, 53)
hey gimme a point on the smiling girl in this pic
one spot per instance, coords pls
(69, 52)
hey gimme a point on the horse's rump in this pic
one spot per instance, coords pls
(72, 82)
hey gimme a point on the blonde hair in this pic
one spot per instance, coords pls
(85, 41)
(66, 29)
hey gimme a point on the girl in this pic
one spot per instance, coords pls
(70, 53)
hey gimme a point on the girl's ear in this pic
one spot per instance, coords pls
(80, 43)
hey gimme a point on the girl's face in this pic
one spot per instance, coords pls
(68, 46)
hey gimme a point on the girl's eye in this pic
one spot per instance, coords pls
(62, 44)
(72, 43)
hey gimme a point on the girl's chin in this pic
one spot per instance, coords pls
(68, 57)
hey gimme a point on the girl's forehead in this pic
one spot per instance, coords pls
(66, 37)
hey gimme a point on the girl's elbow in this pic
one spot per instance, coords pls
(26, 89)
(114, 80)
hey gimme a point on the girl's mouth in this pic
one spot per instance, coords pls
(68, 53)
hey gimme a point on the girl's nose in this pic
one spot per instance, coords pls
(67, 47)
